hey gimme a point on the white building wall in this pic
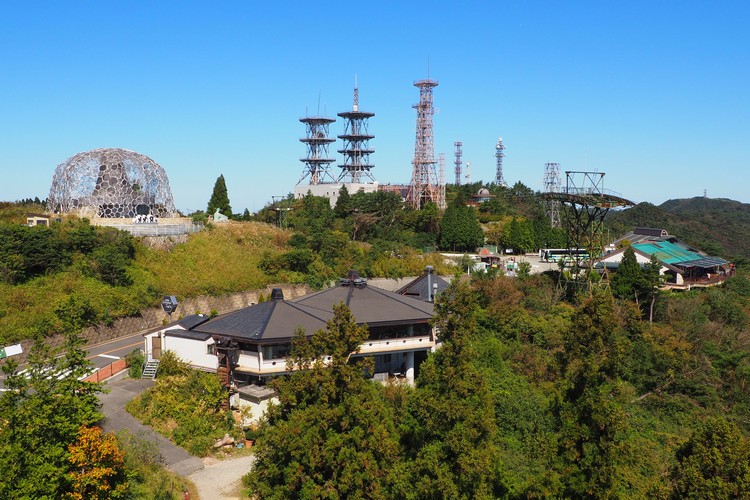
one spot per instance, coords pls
(195, 352)
(331, 190)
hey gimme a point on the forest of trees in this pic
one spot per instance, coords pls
(613, 391)
(529, 396)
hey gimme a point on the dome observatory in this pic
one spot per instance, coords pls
(111, 183)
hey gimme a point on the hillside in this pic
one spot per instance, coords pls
(715, 225)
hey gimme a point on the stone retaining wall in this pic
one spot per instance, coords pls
(155, 316)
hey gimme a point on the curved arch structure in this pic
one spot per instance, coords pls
(111, 183)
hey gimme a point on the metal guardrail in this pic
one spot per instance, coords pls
(159, 229)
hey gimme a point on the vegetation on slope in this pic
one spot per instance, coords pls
(534, 396)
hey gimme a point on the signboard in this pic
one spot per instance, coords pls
(10, 350)
(169, 304)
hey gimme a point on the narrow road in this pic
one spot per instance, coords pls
(116, 419)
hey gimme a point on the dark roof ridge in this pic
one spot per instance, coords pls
(400, 298)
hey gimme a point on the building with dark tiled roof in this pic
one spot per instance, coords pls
(424, 287)
(260, 335)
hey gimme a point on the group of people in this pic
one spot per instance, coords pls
(145, 219)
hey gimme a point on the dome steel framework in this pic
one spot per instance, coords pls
(111, 183)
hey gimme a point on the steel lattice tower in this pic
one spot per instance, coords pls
(317, 141)
(552, 184)
(457, 162)
(356, 149)
(441, 181)
(424, 187)
(499, 155)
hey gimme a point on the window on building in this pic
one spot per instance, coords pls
(211, 349)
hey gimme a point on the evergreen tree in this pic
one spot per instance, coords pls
(219, 199)
(460, 229)
(332, 434)
(343, 204)
(591, 412)
(628, 278)
(451, 433)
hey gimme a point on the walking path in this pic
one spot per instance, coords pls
(222, 478)
(116, 419)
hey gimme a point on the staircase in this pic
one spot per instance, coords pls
(149, 371)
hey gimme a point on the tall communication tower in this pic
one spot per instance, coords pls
(467, 177)
(552, 183)
(457, 162)
(441, 181)
(317, 141)
(424, 186)
(356, 149)
(499, 155)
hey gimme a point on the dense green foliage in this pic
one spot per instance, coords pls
(219, 199)
(332, 430)
(185, 406)
(41, 414)
(534, 396)
(460, 230)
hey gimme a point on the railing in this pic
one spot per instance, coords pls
(159, 229)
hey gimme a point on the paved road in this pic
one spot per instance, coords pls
(105, 353)
(116, 419)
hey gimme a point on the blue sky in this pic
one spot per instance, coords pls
(655, 94)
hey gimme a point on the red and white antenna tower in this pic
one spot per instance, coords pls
(457, 162)
(424, 186)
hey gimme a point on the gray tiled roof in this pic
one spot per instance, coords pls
(278, 320)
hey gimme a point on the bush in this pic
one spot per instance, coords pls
(170, 364)
(135, 362)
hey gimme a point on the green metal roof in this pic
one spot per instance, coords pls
(670, 253)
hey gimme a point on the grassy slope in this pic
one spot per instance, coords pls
(221, 260)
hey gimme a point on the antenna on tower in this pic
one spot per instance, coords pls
(458, 162)
(552, 184)
(355, 107)
(356, 148)
(499, 155)
(441, 179)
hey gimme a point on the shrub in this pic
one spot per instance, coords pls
(135, 362)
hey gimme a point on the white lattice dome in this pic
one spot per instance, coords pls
(112, 183)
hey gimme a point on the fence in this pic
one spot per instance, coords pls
(159, 229)
(106, 372)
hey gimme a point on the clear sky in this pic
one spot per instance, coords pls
(654, 93)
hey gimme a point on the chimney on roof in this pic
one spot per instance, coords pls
(277, 294)
(429, 269)
(352, 275)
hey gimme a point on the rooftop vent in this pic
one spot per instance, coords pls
(353, 279)
(277, 294)
(429, 269)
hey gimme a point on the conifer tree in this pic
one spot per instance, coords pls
(220, 199)
(332, 434)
